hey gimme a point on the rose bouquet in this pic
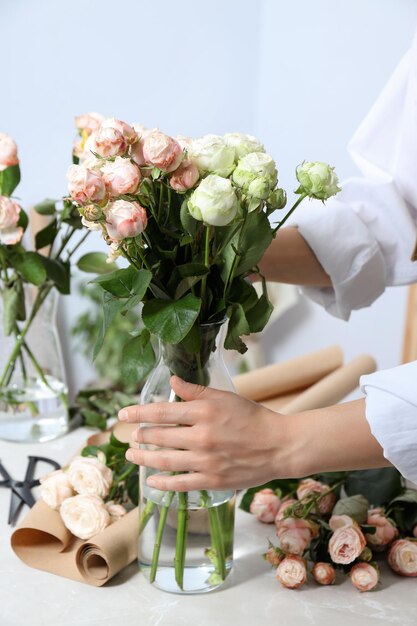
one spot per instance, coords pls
(315, 523)
(191, 217)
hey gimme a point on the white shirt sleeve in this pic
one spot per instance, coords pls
(391, 410)
(365, 235)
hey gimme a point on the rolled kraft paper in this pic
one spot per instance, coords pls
(43, 542)
(282, 378)
(333, 387)
(121, 430)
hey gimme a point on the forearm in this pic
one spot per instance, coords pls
(289, 259)
(334, 438)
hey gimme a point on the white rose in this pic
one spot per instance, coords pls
(317, 180)
(84, 515)
(55, 488)
(214, 201)
(243, 144)
(212, 154)
(8, 152)
(254, 166)
(116, 511)
(88, 475)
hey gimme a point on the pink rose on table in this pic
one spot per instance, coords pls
(55, 488)
(89, 122)
(126, 130)
(8, 152)
(323, 573)
(265, 505)
(295, 534)
(84, 515)
(364, 576)
(185, 177)
(283, 507)
(346, 544)
(274, 556)
(291, 572)
(10, 232)
(402, 557)
(85, 185)
(116, 511)
(162, 151)
(385, 533)
(107, 142)
(125, 219)
(88, 475)
(121, 176)
(310, 486)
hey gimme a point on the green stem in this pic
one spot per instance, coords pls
(159, 534)
(181, 542)
(146, 515)
(290, 212)
(207, 264)
(64, 242)
(231, 275)
(216, 535)
(81, 241)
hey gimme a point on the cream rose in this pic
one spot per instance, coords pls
(309, 486)
(89, 122)
(265, 505)
(346, 544)
(106, 142)
(88, 475)
(84, 515)
(121, 176)
(116, 511)
(125, 219)
(364, 576)
(8, 152)
(128, 132)
(214, 201)
(85, 185)
(402, 557)
(10, 232)
(295, 534)
(256, 174)
(317, 180)
(185, 177)
(162, 151)
(291, 572)
(385, 533)
(55, 488)
(324, 573)
(243, 144)
(212, 155)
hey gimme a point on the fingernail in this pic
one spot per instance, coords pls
(123, 415)
(129, 455)
(151, 481)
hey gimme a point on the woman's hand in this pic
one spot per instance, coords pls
(223, 440)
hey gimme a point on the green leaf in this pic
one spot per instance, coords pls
(23, 219)
(92, 418)
(126, 282)
(10, 298)
(285, 485)
(111, 307)
(189, 224)
(95, 263)
(30, 266)
(238, 326)
(46, 236)
(59, 273)
(379, 486)
(171, 320)
(354, 506)
(46, 207)
(409, 496)
(192, 340)
(259, 315)
(9, 180)
(138, 358)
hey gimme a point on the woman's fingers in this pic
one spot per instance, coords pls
(178, 437)
(165, 460)
(159, 413)
(184, 482)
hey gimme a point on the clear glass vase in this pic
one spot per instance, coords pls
(33, 392)
(186, 539)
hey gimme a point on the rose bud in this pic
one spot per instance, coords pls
(107, 142)
(385, 533)
(317, 180)
(92, 212)
(324, 573)
(309, 486)
(116, 511)
(128, 132)
(89, 122)
(274, 556)
(346, 544)
(283, 507)
(364, 576)
(84, 185)
(55, 488)
(265, 505)
(84, 515)
(10, 232)
(8, 152)
(295, 534)
(162, 151)
(125, 219)
(366, 554)
(292, 572)
(87, 474)
(121, 176)
(402, 557)
(185, 177)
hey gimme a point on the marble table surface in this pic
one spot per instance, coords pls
(251, 595)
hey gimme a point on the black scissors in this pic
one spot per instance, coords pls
(22, 489)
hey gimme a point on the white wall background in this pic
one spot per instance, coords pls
(300, 75)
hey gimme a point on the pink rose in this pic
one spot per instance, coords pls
(162, 151)
(309, 486)
(292, 572)
(324, 573)
(274, 556)
(121, 176)
(283, 507)
(107, 142)
(8, 152)
(84, 185)
(402, 557)
(265, 505)
(55, 487)
(125, 219)
(10, 232)
(89, 475)
(116, 511)
(126, 130)
(346, 544)
(185, 177)
(136, 149)
(364, 576)
(89, 122)
(338, 521)
(84, 515)
(295, 534)
(385, 533)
